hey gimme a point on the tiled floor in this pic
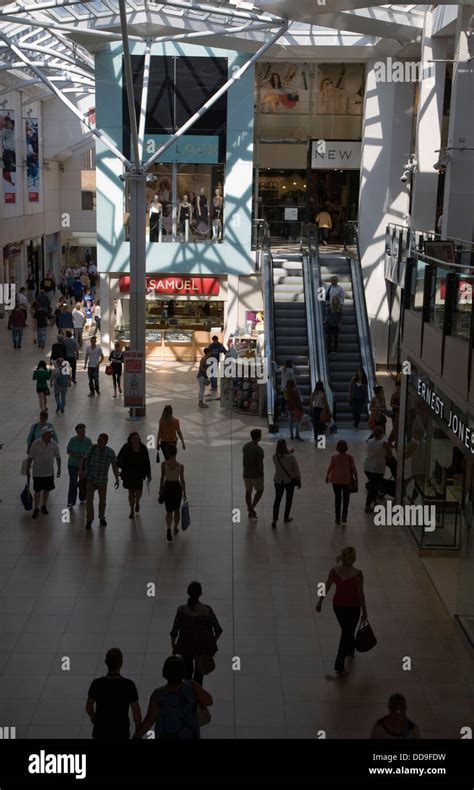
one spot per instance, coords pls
(65, 592)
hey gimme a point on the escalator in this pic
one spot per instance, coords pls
(290, 319)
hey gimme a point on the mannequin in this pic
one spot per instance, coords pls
(156, 214)
(185, 213)
(217, 215)
(202, 212)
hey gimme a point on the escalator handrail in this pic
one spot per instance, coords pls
(318, 366)
(268, 308)
(362, 319)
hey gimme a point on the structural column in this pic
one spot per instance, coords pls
(136, 184)
(458, 216)
(428, 127)
(386, 142)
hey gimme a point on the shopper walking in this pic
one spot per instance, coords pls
(71, 353)
(77, 448)
(294, 407)
(195, 633)
(378, 408)
(216, 348)
(333, 322)
(109, 699)
(116, 360)
(342, 474)
(78, 319)
(319, 409)
(40, 319)
(395, 415)
(42, 376)
(348, 601)
(35, 430)
(65, 319)
(172, 490)
(286, 371)
(172, 709)
(133, 461)
(203, 378)
(95, 470)
(252, 456)
(58, 350)
(17, 323)
(335, 289)
(396, 723)
(61, 381)
(92, 362)
(168, 432)
(378, 450)
(324, 223)
(41, 455)
(287, 477)
(358, 395)
(96, 315)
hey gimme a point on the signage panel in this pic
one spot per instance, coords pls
(446, 411)
(133, 379)
(336, 154)
(192, 286)
(194, 149)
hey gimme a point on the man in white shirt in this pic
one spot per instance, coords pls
(94, 357)
(92, 268)
(41, 456)
(21, 298)
(78, 320)
(335, 290)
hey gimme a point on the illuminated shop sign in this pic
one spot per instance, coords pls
(191, 286)
(445, 411)
(189, 149)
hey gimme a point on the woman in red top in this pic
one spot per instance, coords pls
(341, 472)
(348, 600)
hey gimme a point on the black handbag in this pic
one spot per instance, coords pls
(365, 638)
(295, 480)
(161, 496)
(158, 454)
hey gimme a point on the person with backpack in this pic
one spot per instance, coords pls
(195, 633)
(173, 708)
(61, 381)
(287, 478)
(109, 699)
(342, 473)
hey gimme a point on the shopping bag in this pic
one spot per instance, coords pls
(203, 715)
(305, 423)
(24, 467)
(185, 518)
(365, 638)
(332, 426)
(109, 369)
(27, 498)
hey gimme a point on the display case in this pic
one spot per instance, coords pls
(181, 338)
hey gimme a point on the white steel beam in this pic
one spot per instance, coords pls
(144, 99)
(57, 55)
(216, 31)
(79, 28)
(223, 11)
(100, 135)
(129, 85)
(222, 90)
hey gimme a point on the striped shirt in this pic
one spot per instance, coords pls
(97, 463)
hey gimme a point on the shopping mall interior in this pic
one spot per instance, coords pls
(291, 184)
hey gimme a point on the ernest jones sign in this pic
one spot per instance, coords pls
(194, 286)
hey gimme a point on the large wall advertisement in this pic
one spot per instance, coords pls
(32, 160)
(7, 132)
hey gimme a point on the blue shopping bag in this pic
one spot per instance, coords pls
(27, 498)
(185, 518)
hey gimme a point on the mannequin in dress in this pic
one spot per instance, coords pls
(202, 212)
(217, 215)
(185, 213)
(156, 214)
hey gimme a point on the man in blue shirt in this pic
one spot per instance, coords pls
(95, 470)
(77, 448)
(216, 349)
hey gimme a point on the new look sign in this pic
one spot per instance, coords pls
(335, 155)
(194, 149)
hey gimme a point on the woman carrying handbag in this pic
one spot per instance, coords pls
(348, 601)
(287, 478)
(319, 410)
(342, 473)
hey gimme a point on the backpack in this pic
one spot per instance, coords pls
(62, 380)
(177, 713)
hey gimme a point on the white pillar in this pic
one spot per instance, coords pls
(386, 142)
(107, 313)
(428, 127)
(458, 216)
(231, 321)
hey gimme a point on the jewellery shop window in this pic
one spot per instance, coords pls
(433, 475)
(171, 320)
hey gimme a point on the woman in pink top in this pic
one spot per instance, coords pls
(348, 601)
(341, 473)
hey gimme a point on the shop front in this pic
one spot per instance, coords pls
(183, 312)
(438, 463)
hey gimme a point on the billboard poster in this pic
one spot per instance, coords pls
(339, 89)
(134, 380)
(32, 160)
(284, 88)
(7, 134)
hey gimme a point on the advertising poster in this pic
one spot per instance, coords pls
(133, 388)
(339, 89)
(284, 88)
(32, 160)
(7, 135)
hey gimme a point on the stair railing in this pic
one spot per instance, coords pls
(266, 268)
(360, 306)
